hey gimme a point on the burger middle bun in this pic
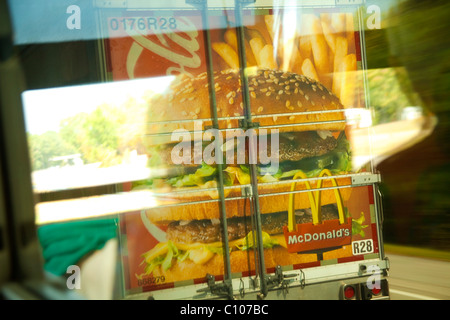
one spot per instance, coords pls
(271, 92)
(240, 207)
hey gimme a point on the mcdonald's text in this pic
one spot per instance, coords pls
(317, 236)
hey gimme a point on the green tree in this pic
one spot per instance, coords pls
(72, 132)
(108, 133)
(94, 135)
(46, 146)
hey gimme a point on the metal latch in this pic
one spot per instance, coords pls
(348, 2)
(244, 123)
(280, 279)
(247, 191)
(363, 179)
(224, 288)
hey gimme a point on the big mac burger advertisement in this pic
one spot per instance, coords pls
(302, 70)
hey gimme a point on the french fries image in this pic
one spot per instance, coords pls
(348, 80)
(325, 18)
(319, 50)
(270, 25)
(322, 48)
(273, 27)
(309, 70)
(341, 52)
(338, 22)
(261, 27)
(255, 34)
(231, 38)
(289, 57)
(305, 47)
(257, 44)
(350, 30)
(267, 58)
(329, 35)
(292, 60)
(227, 53)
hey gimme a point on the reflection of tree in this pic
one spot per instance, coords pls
(46, 146)
(106, 135)
(132, 126)
(99, 136)
(390, 92)
(72, 130)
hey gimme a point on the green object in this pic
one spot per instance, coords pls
(268, 243)
(201, 175)
(65, 244)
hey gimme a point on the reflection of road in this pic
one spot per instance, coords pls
(412, 278)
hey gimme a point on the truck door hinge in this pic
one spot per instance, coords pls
(246, 124)
(279, 279)
(365, 179)
(224, 289)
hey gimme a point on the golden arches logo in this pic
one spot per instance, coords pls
(314, 199)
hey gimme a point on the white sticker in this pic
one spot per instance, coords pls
(362, 247)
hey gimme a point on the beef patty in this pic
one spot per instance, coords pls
(207, 231)
(293, 146)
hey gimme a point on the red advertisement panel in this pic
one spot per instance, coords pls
(305, 64)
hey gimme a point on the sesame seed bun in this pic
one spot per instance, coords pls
(272, 93)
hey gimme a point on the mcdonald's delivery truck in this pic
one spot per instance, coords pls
(238, 165)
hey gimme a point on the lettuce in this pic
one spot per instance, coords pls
(240, 174)
(358, 226)
(167, 261)
(247, 242)
(198, 178)
(342, 155)
(161, 255)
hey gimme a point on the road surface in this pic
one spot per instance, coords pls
(413, 278)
